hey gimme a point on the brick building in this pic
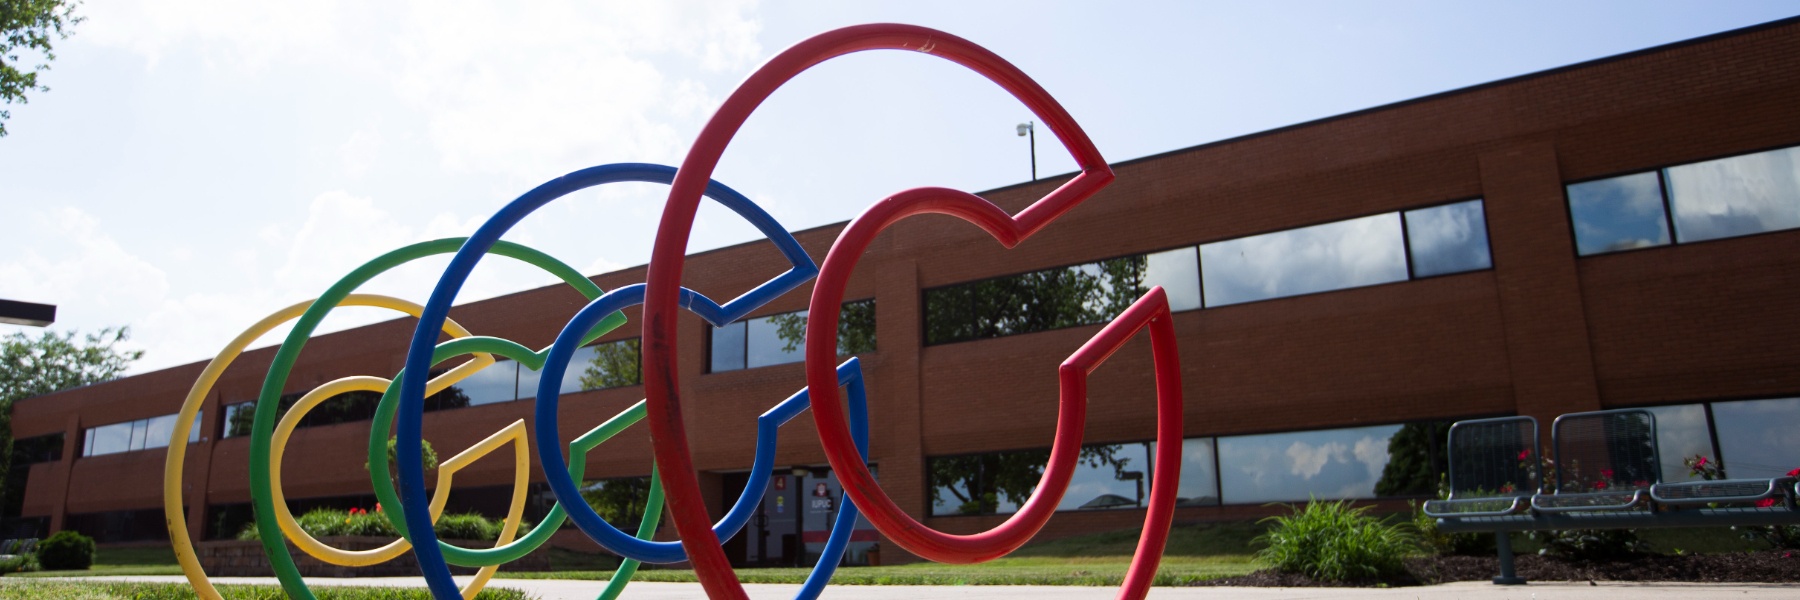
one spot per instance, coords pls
(1618, 233)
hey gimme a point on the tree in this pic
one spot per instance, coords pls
(1416, 461)
(36, 366)
(621, 502)
(29, 25)
(615, 364)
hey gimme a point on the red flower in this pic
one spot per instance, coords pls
(377, 507)
(1607, 473)
(1795, 472)
(1701, 462)
(1524, 454)
(1506, 489)
(1765, 503)
(1641, 483)
(1599, 485)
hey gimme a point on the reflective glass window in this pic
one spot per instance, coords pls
(1618, 213)
(766, 346)
(1178, 272)
(1109, 476)
(497, 383)
(1735, 196)
(728, 347)
(1293, 467)
(239, 419)
(138, 431)
(1448, 239)
(1681, 434)
(981, 484)
(1333, 256)
(604, 365)
(1199, 475)
(158, 430)
(1758, 438)
(194, 429)
(1082, 294)
(109, 439)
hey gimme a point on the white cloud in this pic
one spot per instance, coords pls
(1372, 452)
(1307, 460)
(360, 151)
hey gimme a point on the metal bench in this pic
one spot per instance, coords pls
(1608, 476)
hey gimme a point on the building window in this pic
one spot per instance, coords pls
(1359, 462)
(1448, 239)
(1084, 294)
(781, 339)
(1618, 213)
(604, 365)
(131, 436)
(1735, 196)
(348, 407)
(1199, 473)
(499, 382)
(1708, 200)
(1333, 256)
(1757, 438)
(1178, 272)
(1107, 476)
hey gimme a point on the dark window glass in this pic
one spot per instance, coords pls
(1178, 272)
(1619, 213)
(1297, 466)
(620, 501)
(1333, 256)
(138, 430)
(728, 347)
(1758, 438)
(1448, 239)
(33, 450)
(1740, 195)
(1083, 294)
(1106, 477)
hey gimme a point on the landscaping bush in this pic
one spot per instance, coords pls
(19, 563)
(66, 551)
(1334, 541)
(323, 522)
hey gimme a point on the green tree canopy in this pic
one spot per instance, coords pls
(27, 25)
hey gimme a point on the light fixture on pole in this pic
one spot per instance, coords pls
(29, 314)
(1029, 129)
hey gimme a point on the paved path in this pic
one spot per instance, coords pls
(585, 590)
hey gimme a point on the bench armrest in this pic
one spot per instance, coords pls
(1436, 508)
(1585, 502)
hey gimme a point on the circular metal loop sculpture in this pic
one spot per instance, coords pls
(843, 426)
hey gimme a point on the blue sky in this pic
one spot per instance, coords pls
(201, 163)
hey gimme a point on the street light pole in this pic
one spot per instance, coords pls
(1029, 129)
(30, 314)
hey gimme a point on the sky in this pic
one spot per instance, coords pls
(198, 164)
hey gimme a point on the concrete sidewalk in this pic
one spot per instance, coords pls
(585, 590)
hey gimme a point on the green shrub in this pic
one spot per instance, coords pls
(1336, 542)
(468, 526)
(66, 551)
(19, 563)
(323, 522)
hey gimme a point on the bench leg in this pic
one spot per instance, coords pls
(1503, 543)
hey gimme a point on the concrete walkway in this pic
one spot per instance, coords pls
(585, 590)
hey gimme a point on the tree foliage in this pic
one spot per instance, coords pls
(1083, 294)
(36, 366)
(615, 364)
(620, 501)
(979, 481)
(1416, 461)
(856, 328)
(29, 25)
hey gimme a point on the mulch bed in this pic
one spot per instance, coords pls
(1779, 566)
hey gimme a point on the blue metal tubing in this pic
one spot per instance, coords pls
(550, 446)
(409, 420)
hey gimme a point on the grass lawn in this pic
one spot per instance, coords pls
(1195, 552)
(142, 560)
(124, 590)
